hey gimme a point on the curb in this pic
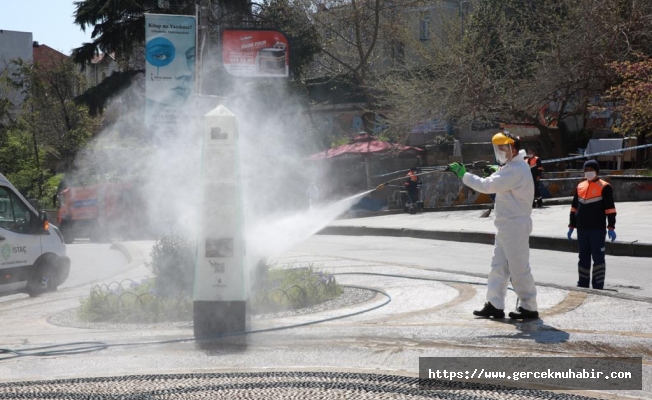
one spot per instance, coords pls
(536, 242)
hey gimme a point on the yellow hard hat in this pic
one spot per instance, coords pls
(503, 138)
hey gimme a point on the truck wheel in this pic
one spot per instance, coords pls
(43, 280)
(67, 232)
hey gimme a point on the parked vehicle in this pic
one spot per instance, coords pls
(32, 251)
(101, 211)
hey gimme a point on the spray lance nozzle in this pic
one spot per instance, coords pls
(475, 164)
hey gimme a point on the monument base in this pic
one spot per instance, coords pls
(212, 319)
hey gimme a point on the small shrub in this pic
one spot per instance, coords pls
(294, 288)
(443, 140)
(173, 265)
(138, 303)
(279, 290)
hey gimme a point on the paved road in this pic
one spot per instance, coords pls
(89, 263)
(427, 317)
(626, 274)
(93, 262)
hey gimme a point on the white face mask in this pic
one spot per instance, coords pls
(504, 154)
(501, 156)
(590, 175)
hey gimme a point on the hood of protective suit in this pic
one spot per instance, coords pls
(521, 155)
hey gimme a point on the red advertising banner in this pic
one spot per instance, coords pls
(255, 53)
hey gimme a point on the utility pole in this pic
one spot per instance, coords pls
(202, 15)
(461, 5)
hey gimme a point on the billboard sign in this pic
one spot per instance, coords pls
(255, 53)
(169, 67)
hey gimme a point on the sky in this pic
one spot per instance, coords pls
(50, 21)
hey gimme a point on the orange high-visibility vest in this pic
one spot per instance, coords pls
(591, 192)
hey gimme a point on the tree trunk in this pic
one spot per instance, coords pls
(553, 146)
(38, 167)
(640, 153)
(36, 159)
(360, 80)
(367, 166)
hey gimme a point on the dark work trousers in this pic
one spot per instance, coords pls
(537, 189)
(591, 243)
(413, 194)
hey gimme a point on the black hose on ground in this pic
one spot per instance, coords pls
(89, 347)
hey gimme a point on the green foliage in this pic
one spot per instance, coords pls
(137, 303)
(5, 105)
(118, 25)
(49, 129)
(50, 187)
(632, 96)
(97, 97)
(302, 33)
(340, 140)
(17, 161)
(173, 265)
(534, 62)
(280, 290)
(118, 28)
(510, 37)
(286, 289)
(443, 140)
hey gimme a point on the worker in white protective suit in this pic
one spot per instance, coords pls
(514, 190)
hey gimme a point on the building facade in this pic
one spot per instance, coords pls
(14, 45)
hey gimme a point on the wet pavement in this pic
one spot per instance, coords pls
(429, 315)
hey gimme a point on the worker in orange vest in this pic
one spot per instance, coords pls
(593, 203)
(536, 168)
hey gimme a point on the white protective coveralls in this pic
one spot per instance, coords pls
(514, 190)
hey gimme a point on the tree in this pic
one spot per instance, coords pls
(533, 62)
(632, 98)
(118, 27)
(303, 35)
(57, 125)
(353, 35)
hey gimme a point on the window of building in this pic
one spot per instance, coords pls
(424, 29)
(424, 25)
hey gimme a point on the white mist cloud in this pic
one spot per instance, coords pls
(275, 140)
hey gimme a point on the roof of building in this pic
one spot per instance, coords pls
(103, 58)
(45, 55)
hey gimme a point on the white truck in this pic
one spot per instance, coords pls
(32, 251)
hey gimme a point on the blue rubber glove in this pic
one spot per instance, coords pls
(458, 168)
(570, 233)
(612, 234)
